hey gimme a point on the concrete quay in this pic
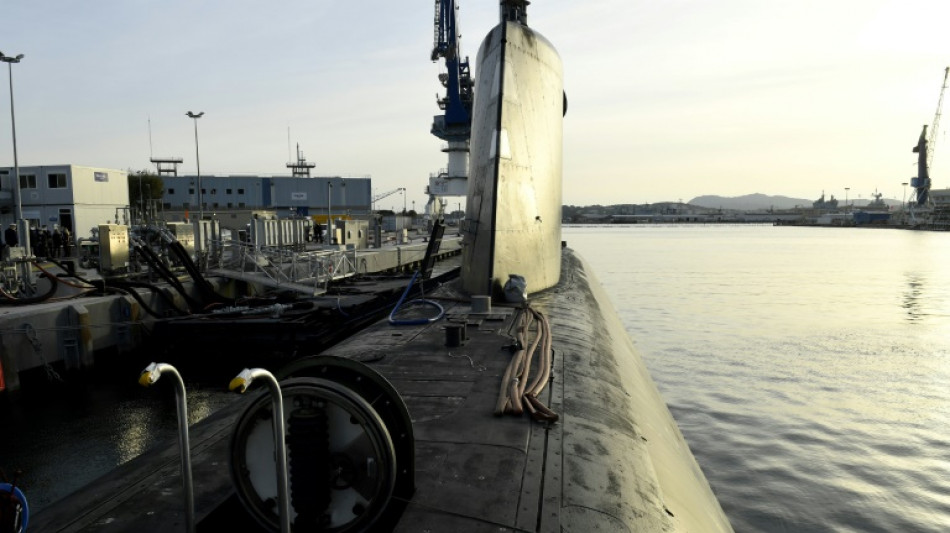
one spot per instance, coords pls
(67, 330)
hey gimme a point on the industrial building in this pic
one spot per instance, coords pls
(75, 197)
(286, 195)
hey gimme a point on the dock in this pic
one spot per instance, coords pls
(67, 331)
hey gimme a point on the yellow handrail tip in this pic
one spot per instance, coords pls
(238, 383)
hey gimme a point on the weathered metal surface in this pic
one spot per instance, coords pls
(515, 180)
(615, 461)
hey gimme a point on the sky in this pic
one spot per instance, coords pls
(667, 100)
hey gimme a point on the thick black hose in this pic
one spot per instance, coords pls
(206, 289)
(127, 286)
(9, 299)
(163, 271)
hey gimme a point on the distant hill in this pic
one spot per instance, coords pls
(763, 201)
(750, 201)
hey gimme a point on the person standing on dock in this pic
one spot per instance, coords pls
(56, 238)
(10, 239)
(34, 240)
(66, 237)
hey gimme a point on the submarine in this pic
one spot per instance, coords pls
(508, 399)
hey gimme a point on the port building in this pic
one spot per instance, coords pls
(286, 195)
(71, 196)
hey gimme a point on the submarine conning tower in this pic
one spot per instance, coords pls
(513, 208)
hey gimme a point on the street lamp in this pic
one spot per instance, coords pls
(846, 189)
(403, 200)
(330, 232)
(24, 234)
(201, 206)
(904, 204)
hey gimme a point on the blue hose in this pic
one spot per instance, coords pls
(414, 321)
(25, 508)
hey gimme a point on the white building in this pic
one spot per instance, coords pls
(75, 197)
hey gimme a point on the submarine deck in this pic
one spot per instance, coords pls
(615, 460)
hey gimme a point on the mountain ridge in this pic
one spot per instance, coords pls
(764, 201)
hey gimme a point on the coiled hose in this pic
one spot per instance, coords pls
(516, 395)
(17, 495)
(419, 301)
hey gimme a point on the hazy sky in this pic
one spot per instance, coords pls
(667, 100)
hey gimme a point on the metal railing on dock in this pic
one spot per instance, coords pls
(291, 268)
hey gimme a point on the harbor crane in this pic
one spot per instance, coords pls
(925, 152)
(454, 126)
(387, 194)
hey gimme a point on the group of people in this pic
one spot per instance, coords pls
(44, 242)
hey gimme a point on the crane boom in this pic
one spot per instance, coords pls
(932, 142)
(380, 196)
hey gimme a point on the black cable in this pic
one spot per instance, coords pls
(9, 299)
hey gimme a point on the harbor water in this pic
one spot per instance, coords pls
(808, 368)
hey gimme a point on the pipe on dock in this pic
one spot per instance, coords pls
(149, 376)
(240, 384)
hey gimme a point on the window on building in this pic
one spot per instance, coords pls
(56, 181)
(228, 191)
(204, 191)
(171, 191)
(166, 205)
(27, 181)
(230, 205)
(186, 205)
(191, 191)
(240, 191)
(214, 205)
(214, 191)
(240, 204)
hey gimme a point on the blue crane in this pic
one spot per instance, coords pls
(454, 126)
(455, 123)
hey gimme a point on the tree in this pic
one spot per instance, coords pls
(144, 187)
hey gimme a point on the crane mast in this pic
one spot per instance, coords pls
(925, 151)
(454, 125)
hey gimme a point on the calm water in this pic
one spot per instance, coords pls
(63, 437)
(809, 368)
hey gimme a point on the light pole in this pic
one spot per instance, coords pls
(329, 215)
(403, 200)
(904, 202)
(846, 189)
(201, 206)
(23, 231)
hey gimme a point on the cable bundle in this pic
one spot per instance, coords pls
(516, 395)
